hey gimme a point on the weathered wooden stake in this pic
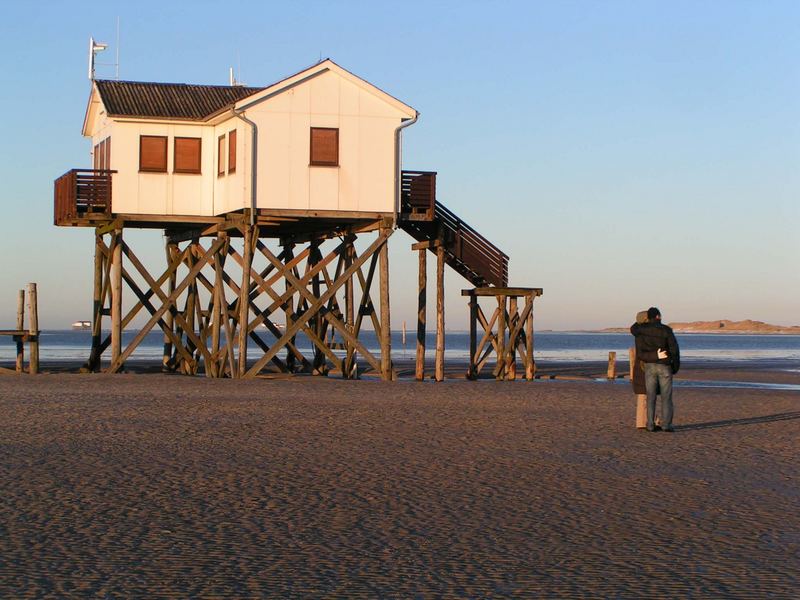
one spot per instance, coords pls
(439, 365)
(421, 313)
(612, 365)
(33, 330)
(631, 362)
(20, 366)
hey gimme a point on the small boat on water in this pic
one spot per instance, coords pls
(82, 325)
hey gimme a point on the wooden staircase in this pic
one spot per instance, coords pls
(466, 251)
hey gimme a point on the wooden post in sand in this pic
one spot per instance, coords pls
(244, 297)
(386, 326)
(116, 297)
(421, 313)
(439, 366)
(612, 365)
(33, 330)
(20, 327)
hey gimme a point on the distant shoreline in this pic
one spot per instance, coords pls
(722, 326)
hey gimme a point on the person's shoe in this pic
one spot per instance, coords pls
(657, 428)
(652, 428)
(669, 429)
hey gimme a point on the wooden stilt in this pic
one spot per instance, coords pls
(20, 364)
(98, 301)
(511, 361)
(116, 297)
(501, 338)
(530, 364)
(288, 255)
(167, 364)
(422, 313)
(349, 309)
(439, 361)
(33, 330)
(473, 335)
(386, 329)
(244, 298)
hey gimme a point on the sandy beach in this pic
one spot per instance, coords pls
(162, 486)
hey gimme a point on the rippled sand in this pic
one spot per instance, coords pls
(165, 486)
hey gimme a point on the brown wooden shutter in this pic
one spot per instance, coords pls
(107, 153)
(96, 157)
(324, 146)
(153, 153)
(232, 151)
(221, 155)
(187, 155)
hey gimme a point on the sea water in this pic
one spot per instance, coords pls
(550, 346)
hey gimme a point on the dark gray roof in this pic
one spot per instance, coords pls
(169, 100)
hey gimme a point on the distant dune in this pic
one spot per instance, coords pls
(722, 326)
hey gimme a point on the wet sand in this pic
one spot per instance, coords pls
(126, 486)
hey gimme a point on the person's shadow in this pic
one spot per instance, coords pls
(787, 416)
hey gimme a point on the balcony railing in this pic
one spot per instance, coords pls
(80, 193)
(418, 195)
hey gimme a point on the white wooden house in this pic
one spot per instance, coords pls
(320, 140)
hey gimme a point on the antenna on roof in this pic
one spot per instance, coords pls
(116, 49)
(232, 79)
(94, 48)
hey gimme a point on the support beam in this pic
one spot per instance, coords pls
(20, 364)
(422, 316)
(244, 298)
(116, 296)
(386, 329)
(439, 361)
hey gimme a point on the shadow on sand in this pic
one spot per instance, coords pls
(787, 416)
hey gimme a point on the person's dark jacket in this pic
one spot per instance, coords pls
(650, 337)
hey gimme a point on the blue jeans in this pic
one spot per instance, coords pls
(657, 375)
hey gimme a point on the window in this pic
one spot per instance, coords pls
(187, 155)
(102, 155)
(221, 156)
(232, 151)
(153, 153)
(324, 146)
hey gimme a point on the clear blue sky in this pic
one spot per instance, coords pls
(623, 154)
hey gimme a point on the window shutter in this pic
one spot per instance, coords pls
(96, 157)
(107, 153)
(221, 155)
(187, 155)
(324, 146)
(153, 153)
(232, 151)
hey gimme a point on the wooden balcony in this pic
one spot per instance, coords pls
(418, 195)
(82, 195)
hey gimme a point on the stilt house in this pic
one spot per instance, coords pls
(313, 157)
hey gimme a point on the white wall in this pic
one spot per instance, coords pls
(363, 181)
(160, 193)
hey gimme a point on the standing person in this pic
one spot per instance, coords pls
(657, 348)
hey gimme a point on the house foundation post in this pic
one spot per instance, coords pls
(386, 328)
(422, 313)
(116, 297)
(244, 297)
(439, 364)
